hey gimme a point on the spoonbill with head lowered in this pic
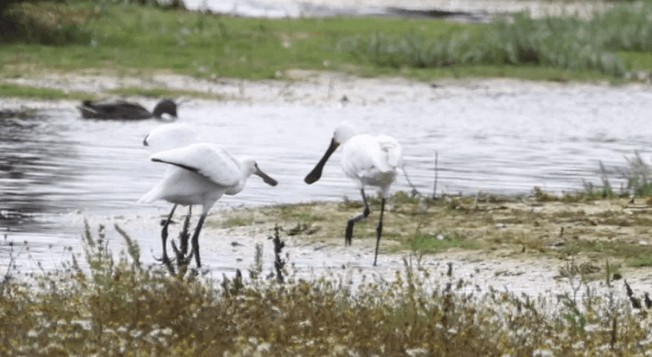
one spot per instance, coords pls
(369, 160)
(201, 173)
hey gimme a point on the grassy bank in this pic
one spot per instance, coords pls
(119, 306)
(131, 40)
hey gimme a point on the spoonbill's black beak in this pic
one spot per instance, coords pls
(315, 174)
(268, 180)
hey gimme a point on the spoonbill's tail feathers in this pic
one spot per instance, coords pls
(151, 196)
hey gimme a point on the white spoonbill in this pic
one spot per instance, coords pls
(200, 175)
(167, 137)
(369, 160)
(170, 136)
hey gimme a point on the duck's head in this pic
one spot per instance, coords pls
(165, 106)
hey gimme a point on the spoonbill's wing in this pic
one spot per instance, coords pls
(391, 153)
(207, 160)
(170, 136)
(364, 154)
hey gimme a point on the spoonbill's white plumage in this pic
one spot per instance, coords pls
(170, 136)
(201, 173)
(369, 160)
(167, 137)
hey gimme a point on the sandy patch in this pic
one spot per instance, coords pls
(307, 87)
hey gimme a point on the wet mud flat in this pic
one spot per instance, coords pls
(519, 245)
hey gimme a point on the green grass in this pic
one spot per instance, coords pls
(141, 39)
(53, 22)
(21, 91)
(239, 221)
(641, 262)
(163, 93)
(127, 39)
(564, 43)
(310, 213)
(632, 253)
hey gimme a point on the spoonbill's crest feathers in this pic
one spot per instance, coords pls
(208, 160)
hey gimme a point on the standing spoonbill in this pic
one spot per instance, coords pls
(201, 173)
(167, 137)
(369, 160)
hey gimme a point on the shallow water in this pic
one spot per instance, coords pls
(459, 10)
(470, 11)
(57, 169)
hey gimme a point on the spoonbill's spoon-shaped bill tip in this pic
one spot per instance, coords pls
(266, 178)
(315, 174)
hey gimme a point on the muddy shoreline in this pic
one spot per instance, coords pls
(302, 86)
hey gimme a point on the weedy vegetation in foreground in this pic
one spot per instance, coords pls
(110, 305)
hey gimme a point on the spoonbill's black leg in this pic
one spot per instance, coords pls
(184, 234)
(195, 240)
(354, 220)
(164, 238)
(379, 229)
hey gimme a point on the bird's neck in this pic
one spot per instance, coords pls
(240, 186)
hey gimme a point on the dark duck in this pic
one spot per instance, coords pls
(123, 110)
